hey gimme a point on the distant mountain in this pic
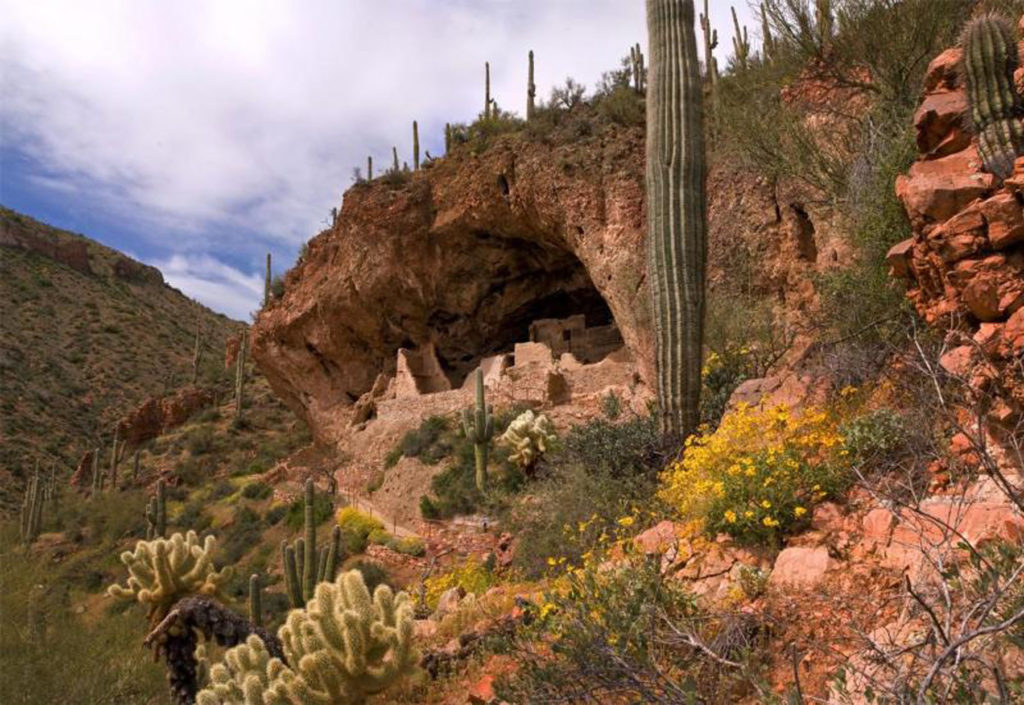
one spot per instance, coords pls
(86, 334)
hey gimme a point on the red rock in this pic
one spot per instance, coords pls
(959, 237)
(231, 346)
(482, 692)
(938, 119)
(959, 361)
(1005, 219)
(159, 414)
(878, 524)
(827, 517)
(936, 190)
(658, 539)
(801, 567)
(1013, 332)
(899, 257)
(981, 296)
(82, 476)
(944, 71)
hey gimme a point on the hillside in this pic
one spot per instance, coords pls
(86, 334)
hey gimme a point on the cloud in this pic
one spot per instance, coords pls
(214, 284)
(226, 128)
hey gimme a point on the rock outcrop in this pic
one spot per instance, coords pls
(159, 414)
(964, 265)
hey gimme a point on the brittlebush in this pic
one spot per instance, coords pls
(759, 474)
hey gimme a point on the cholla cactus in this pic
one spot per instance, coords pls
(163, 571)
(342, 648)
(529, 436)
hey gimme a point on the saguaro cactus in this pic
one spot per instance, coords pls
(97, 473)
(197, 350)
(990, 59)
(255, 600)
(240, 374)
(823, 22)
(415, 146)
(767, 41)
(135, 467)
(266, 282)
(740, 42)
(156, 513)
(394, 155)
(531, 90)
(478, 426)
(369, 168)
(447, 138)
(676, 211)
(487, 90)
(304, 566)
(32, 509)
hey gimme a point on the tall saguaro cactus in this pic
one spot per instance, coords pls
(990, 59)
(415, 145)
(156, 513)
(767, 41)
(823, 22)
(32, 509)
(197, 349)
(740, 42)
(266, 283)
(240, 374)
(478, 426)
(487, 90)
(531, 90)
(369, 168)
(676, 211)
(305, 566)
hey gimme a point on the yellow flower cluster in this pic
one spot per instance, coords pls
(471, 575)
(756, 475)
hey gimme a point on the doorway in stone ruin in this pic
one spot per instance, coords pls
(523, 291)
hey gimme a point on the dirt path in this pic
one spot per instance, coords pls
(367, 506)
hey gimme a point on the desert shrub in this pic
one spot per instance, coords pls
(221, 489)
(873, 436)
(611, 406)
(759, 474)
(379, 537)
(356, 528)
(238, 537)
(192, 517)
(257, 490)
(623, 450)
(408, 545)
(373, 573)
(471, 575)
(108, 517)
(296, 516)
(376, 481)
(614, 634)
(428, 443)
(200, 441)
(277, 287)
(275, 514)
(623, 106)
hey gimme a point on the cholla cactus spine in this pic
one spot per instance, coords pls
(529, 436)
(990, 59)
(344, 647)
(163, 571)
(478, 426)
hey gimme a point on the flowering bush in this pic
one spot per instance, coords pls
(471, 575)
(758, 475)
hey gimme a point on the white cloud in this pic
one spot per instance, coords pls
(246, 117)
(214, 284)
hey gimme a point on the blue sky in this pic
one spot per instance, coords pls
(197, 135)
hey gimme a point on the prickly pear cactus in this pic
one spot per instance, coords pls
(344, 647)
(529, 437)
(163, 571)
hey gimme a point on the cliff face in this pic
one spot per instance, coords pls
(465, 255)
(964, 266)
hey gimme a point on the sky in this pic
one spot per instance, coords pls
(198, 135)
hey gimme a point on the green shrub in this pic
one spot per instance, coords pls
(625, 616)
(873, 436)
(623, 107)
(243, 533)
(379, 537)
(200, 441)
(428, 443)
(408, 545)
(275, 514)
(221, 489)
(295, 519)
(356, 528)
(376, 481)
(257, 490)
(623, 450)
(374, 573)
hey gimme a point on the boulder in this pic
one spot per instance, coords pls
(801, 567)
